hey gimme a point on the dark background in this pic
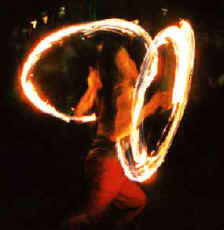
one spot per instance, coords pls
(41, 157)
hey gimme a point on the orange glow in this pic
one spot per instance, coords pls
(181, 37)
(111, 25)
(45, 19)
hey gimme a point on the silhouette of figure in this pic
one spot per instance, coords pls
(110, 89)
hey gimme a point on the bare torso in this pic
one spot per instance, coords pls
(111, 87)
(115, 115)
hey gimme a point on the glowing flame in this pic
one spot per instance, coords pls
(181, 37)
(87, 30)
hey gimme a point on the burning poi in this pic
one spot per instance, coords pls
(144, 162)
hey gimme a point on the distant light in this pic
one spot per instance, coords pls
(24, 30)
(164, 11)
(62, 11)
(45, 19)
(221, 80)
(34, 24)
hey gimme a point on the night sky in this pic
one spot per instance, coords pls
(41, 157)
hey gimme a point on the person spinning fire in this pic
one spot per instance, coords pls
(110, 88)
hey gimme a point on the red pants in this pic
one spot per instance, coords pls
(109, 185)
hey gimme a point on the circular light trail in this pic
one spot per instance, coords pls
(180, 36)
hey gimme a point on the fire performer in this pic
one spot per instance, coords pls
(110, 88)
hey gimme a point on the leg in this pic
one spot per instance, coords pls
(107, 180)
(106, 186)
(132, 200)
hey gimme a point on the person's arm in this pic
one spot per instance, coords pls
(88, 99)
(159, 100)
